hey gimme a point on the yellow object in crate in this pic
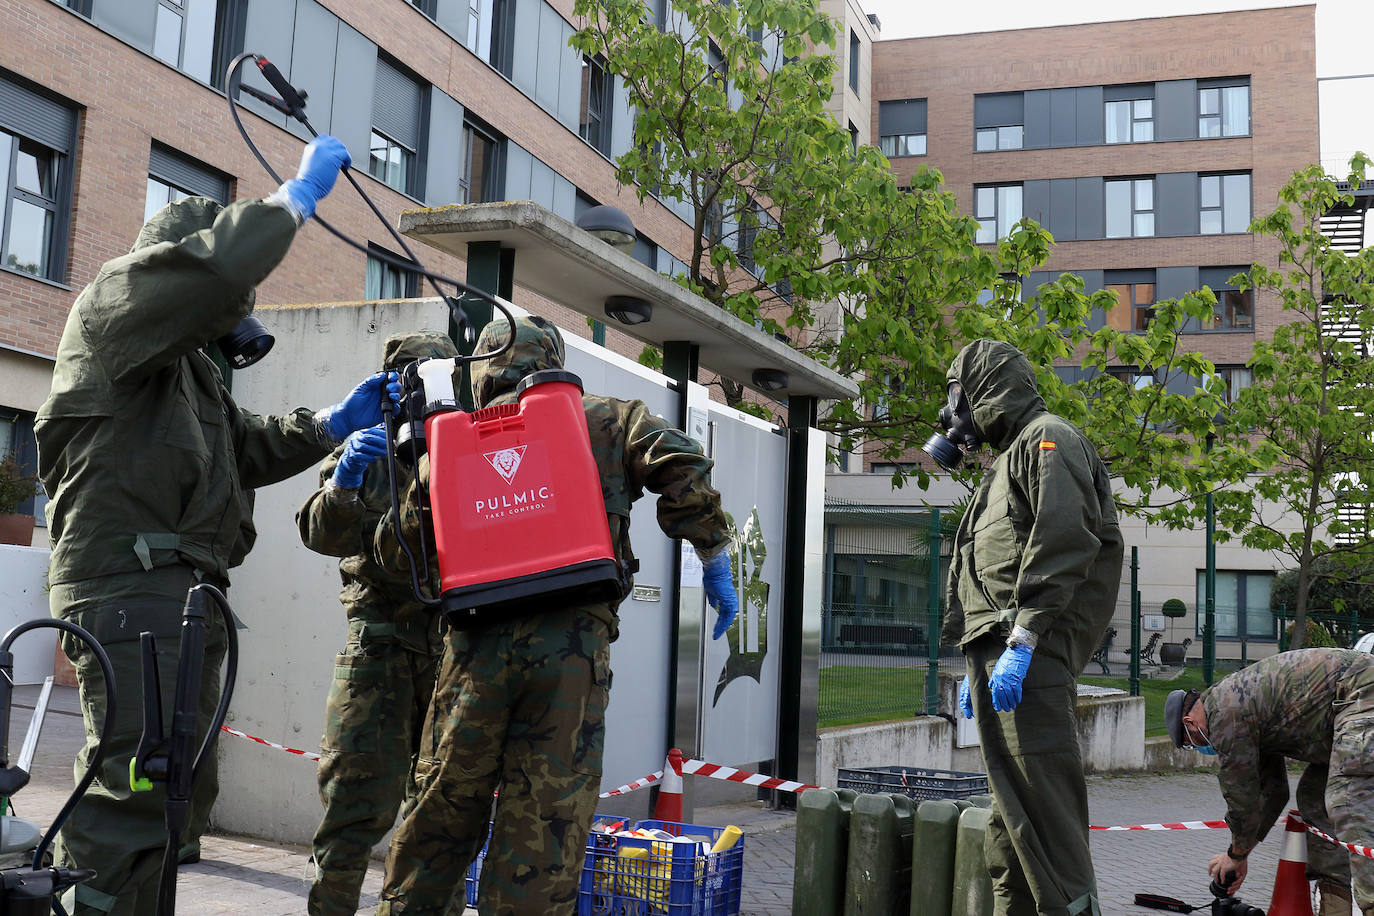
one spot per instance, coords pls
(646, 872)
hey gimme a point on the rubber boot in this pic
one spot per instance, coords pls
(1335, 899)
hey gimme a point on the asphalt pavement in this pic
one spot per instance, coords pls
(241, 875)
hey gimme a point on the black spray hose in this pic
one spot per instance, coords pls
(292, 104)
(106, 728)
(418, 572)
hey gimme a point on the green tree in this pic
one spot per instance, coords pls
(1306, 422)
(786, 216)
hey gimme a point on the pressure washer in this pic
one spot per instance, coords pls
(513, 492)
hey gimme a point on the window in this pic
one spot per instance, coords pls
(491, 32)
(854, 60)
(1223, 108)
(1237, 379)
(425, 6)
(1241, 605)
(480, 180)
(16, 438)
(1235, 308)
(1130, 208)
(750, 219)
(997, 207)
(387, 281)
(902, 127)
(395, 142)
(1135, 299)
(594, 123)
(1132, 377)
(172, 176)
(715, 62)
(1130, 121)
(998, 121)
(853, 137)
(1225, 203)
(36, 138)
(167, 34)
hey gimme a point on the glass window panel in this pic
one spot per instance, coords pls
(1209, 190)
(372, 282)
(33, 169)
(1235, 111)
(478, 180)
(1211, 222)
(1008, 208)
(376, 163)
(1009, 137)
(1119, 317)
(1144, 293)
(1118, 198)
(985, 139)
(1236, 206)
(30, 238)
(1259, 619)
(887, 146)
(916, 145)
(987, 231)
(1118, 125)
(1145, 194)
(1209, 101)
(1144, 225)
(1144, 130)
(167, 36)
(1239, 310)
(985, 202)
(6, 147)
(1209, 127)
(1143, 108)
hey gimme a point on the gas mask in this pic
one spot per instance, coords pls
(246, 344)
(957, 418)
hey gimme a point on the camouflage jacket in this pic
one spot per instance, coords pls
(1039, 545)
(147, 458)
(343, 523)
(1284, 706)
(634, 451)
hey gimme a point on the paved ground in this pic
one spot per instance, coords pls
(237, 875)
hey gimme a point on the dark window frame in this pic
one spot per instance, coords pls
(388, 273)
(1219, 116)
(997, 215)
(58, 205)
(1242, 589)
(855, 49)
(1132, 122)
(597, 104)
(1136, 212)
(1220, 207)
(493, 174)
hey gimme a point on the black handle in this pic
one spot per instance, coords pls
(293, 100)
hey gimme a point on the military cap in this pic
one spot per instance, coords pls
(1176, 706)
(400, 349)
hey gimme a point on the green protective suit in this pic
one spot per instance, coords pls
(1312, 705)
(383, 679)
(1038, 547)
(150, 466)
(519, 704)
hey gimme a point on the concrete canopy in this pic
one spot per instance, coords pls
(578, 270)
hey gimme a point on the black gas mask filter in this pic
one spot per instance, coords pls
(957, 418)
(247, 343)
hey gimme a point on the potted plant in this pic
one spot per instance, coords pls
(16, 487)
(1173, 653)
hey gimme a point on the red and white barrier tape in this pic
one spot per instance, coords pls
(715, 771)
(1181, 825)
(309, 755)
(1365, 851)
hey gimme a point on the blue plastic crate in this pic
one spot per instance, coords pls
(628, 876)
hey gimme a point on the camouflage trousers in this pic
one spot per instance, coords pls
(120, 833)
(1338, 798)
(373, 720)
(517, 706)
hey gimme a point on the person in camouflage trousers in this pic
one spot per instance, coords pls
(519, 704)
(1313, 705)
(384, 677)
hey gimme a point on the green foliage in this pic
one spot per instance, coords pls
(881, 283)
(1334, 587)
(1316, 636)
(1174, 608)
(15, 485)
(1306, 423)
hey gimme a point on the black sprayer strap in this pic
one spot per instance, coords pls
(1160, 902)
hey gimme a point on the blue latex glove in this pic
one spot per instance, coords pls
(720, 591)
(362, 408)
(363, 447)
(320, 165)
(1007, 676)
(965, 699)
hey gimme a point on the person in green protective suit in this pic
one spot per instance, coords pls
(384, 678)
(150, 466)
(1032, 585)
(519, 702)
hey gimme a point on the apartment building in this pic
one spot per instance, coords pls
(111, 108)
(1145, 147)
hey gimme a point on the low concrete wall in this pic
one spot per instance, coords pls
(1111, 734)
(1161, 755)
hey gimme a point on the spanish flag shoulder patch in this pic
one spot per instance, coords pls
(1047, 445)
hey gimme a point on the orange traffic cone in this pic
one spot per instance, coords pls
(1291, 896)
(669, 805)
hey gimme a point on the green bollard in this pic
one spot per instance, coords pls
(932, 857)
(822, 851)
(972, 882)
(979, 801)
(879, 869)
